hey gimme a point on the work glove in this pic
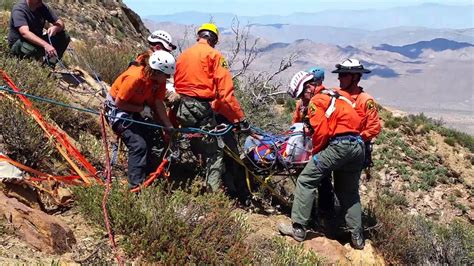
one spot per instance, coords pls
(173, 97)
(242, 126)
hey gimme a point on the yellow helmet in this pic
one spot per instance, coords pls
(210, 27)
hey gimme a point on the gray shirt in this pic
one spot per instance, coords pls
(22, 15)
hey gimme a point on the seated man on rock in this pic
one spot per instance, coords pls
(26, 38)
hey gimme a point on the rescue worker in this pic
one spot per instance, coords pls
(161, 40)
(313, 79)
(301, 108)
(26, 38)
(234, 175)
(158, 40)
(140, 85)
(338, 149)
(349, 74)
(202, 77)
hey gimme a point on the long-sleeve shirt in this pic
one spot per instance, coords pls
(367, 110)
(201, 72)
(344, 119)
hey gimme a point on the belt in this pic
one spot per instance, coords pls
(187, 97)
(350, 137)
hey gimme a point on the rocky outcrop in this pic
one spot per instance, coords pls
(135, 20)
(43, 232)
(102, 22)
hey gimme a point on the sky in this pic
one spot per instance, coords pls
(268, 7)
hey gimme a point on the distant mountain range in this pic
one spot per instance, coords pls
(434, 75)
(425, 15)
(416, 49)
(350, 36)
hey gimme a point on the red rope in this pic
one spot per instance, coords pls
(108, 182)
(58, 134)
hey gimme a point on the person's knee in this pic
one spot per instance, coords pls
(135, 143)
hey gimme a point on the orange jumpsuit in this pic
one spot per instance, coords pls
(201, 72)
(367, 110)
(344, 120)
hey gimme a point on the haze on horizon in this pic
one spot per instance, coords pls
(271, 7)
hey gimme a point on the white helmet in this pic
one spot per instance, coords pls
(162, 37)
(297, 83)
(163, 61)
(351, 65)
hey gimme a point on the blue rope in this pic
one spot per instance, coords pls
(90, 111)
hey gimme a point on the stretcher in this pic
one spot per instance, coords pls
(273, 162)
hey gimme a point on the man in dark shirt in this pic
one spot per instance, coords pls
(26, 37)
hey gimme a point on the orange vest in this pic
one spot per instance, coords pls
(201, 72)
(343, 120)
(133, 87)
(367, 110)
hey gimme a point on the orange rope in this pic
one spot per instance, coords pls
(152, 177)
(64, 146)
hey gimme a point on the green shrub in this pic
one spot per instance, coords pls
(461, 138)
(7, 4)
(179, 227)
(450, 141)
(393, 122)
(406, 239)
(107, 62)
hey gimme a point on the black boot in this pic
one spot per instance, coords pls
(357, 240)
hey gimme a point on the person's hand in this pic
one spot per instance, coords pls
(174, 97)
(52, 31)
(50, 50)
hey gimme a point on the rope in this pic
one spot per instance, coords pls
(108, 181)
(94, 112)
(62, 143)
(61, 63)
(259, 180)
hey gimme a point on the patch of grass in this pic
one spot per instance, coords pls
(394, 198)
(460, 206)
(282, 253)
(406, 239)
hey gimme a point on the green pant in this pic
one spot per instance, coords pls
(199, 114)
(23, 48)
(343, 157)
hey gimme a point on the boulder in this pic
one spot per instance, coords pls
(43, 232)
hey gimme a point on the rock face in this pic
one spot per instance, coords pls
(104, 22)
(42, 231)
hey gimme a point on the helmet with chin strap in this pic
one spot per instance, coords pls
(351, 65)
(297, 83)
(163, 37)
